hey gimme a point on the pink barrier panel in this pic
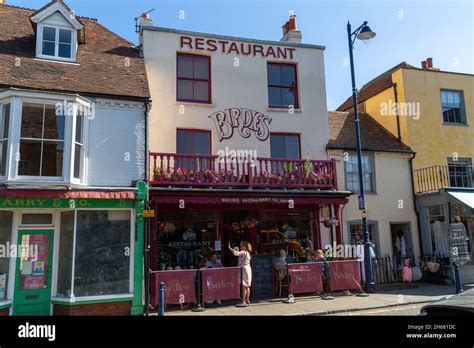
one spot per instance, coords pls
(305, 277)
(220, 283)
(344, 275)
(180, 286)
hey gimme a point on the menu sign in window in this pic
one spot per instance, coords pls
(34, 261)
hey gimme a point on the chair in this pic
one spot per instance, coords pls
(279, 283)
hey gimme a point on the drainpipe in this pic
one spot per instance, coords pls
(146, 226)
(418, 219)
(399, 136)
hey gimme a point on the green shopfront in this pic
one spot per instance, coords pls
(65, 253)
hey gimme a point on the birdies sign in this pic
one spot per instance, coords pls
(244, 120)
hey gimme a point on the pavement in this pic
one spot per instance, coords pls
(315, 305)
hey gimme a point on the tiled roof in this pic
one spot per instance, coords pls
(371, 88)
(107, 64)
(374, 137)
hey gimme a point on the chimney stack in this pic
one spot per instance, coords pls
(429, 63)
(423, 65)
(290, 31)
(145, 20)
(3, 2)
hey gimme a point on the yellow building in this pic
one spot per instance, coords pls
(431, 111)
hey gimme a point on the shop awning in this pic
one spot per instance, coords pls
(465, 197)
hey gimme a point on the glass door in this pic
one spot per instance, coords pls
(33, 273)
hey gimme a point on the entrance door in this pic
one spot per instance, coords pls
(32, 294)
(406, 233)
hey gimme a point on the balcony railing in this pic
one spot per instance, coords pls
(170, 169)
(434, 178)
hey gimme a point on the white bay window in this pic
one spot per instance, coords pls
(46, 138)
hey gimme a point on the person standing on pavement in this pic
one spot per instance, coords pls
(244, 262)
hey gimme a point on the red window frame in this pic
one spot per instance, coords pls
(295, 70)
(209, 100)
(287, 134)
(193, 131)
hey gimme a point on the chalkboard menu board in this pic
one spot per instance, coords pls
(262, 276)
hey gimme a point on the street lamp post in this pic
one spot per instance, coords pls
(362, 33)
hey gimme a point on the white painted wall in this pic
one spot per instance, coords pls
(116, 144)
(393, 186)
(57, 19)
(244, 86)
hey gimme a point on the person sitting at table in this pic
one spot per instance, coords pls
(280, 263)
(213, 262)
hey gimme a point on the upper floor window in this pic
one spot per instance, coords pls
(195, 142)
(285, 146)
(41, 141)
(282, 85)
(193, 78)
(57, 42)
(4, 126)
(460, 172)
(351, 170)
(452, 104)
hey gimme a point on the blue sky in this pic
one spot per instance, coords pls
(407, 30)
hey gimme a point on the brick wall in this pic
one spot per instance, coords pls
(4, 312)
(109, 308)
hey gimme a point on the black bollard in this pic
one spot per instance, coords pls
(161, 300)
(457, 278)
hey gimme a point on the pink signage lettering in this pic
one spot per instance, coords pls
(220, 283)
(344, 275)
(246, 121)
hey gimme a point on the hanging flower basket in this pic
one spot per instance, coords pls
(331, 222)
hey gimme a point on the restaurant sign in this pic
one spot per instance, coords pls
(64, 203)
(236, 48)
(244, 120)
(179, 286)
(221, 283)
(305, 277)
(344, 275)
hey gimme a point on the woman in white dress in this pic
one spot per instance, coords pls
(244, 262)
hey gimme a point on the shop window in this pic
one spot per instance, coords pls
(102, 251)
(4, 130)
(351, 169)
(356, 235)
(42, 141)
(186, 240)
(282, 85)
(194, 78)
(66, 252)
(438, 231)
(452, 104)
(6, 218)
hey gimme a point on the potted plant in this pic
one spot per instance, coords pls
(328, 222)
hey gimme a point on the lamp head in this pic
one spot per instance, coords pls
(365, 33)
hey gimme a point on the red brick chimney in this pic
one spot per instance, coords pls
(423, 65)
(290, 30)
(429, 63)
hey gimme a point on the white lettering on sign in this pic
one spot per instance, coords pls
(245, 120)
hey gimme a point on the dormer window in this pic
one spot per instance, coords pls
(57, 42)
(58, 32)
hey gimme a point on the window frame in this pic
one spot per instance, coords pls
(193, 131)
(297, 99)
(39, 43)
(376, 233)
(462, 108)
(465, 162)
(7, 140)
(42, 141)
(17, 99)
(63, 297)
(374, 180)
(298, 135)
(209, 80)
